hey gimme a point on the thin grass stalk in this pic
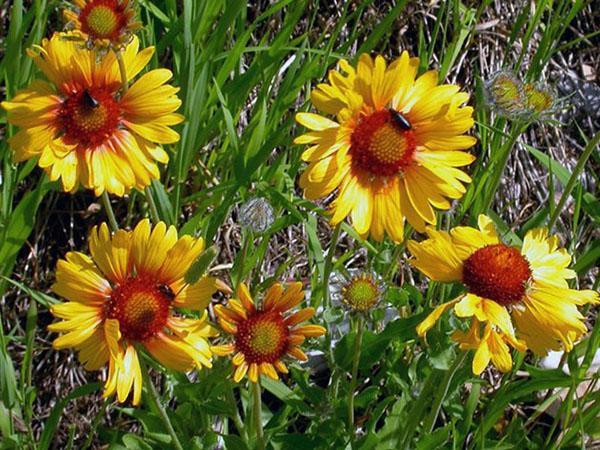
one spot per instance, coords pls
(500, 165)
(151, 205)
(587, 151)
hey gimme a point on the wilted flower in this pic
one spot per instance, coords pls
(516, 100)
(256, 214)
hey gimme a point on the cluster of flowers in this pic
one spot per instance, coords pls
(394, 153)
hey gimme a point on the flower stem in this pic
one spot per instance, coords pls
(441, 393)
(152, 205)
(247, 238)
(237, 420)
(153, 394)
(122, 70)
(357, 345)
(256, 410)
(329, 265)
(109, 211)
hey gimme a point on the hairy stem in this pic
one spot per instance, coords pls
(153, 394)
(112, 220)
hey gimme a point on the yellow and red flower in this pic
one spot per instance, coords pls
(80, 125)
(103, 22)
(517, 297)
(393, 151)
(263, 336)
(126, 296)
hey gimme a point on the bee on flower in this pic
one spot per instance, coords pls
(515, 297)
(128, 296)
(394, 148)
(83, 128)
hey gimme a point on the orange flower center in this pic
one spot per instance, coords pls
(497, 272)
(103, 19)
(382, 143)
(141, 305)
(262, 337)
(361, 293)
(90, 116)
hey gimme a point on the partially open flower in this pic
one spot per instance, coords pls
(362, 292)
(103, 23)
(264, 336)
(520, 297)
(127, 295)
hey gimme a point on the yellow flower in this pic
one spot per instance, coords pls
(394, 148)
(83, 129)
(125, 296)
(263, 336)
(103, 22)
(519, 296)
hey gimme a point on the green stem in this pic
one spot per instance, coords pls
(122, 70)
(353, 382)
(237, 420)
(247, 238)
(152, 205)
(587, 151)
(329, 265)
(441, 393)
(153, 394)
(256, 410)
(109, 211)
(327, 299)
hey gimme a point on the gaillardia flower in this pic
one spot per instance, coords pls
(394, 148)
(516, 297)
(103, 22)
(362, 292)
(264, 335)
(126, 296)
(83, 129)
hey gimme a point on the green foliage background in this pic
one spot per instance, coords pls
(244, 69)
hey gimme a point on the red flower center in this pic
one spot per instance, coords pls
(262, 337)
(104, 19)
(141, 305)
(497, 272)
(89, 116)
(382, 143)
